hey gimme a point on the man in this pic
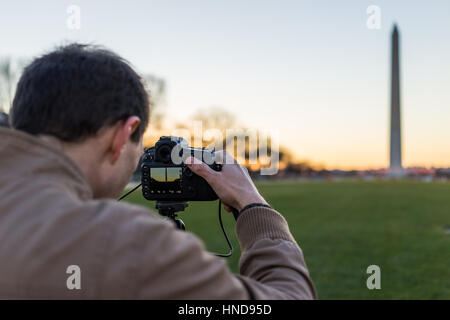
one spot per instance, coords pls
(78, 118)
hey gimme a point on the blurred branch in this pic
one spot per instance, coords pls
(216, 118)
(10, 70)
(156, 88)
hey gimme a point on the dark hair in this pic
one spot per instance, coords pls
(72, 92)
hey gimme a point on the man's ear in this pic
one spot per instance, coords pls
(122, 133)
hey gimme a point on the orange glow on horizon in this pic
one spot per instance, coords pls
(345, 157)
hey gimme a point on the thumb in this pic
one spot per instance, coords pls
(201, 169)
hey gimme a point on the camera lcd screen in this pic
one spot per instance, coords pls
(165, 180)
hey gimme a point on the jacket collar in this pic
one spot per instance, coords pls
(24, 157)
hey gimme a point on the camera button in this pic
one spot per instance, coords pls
(188, 173)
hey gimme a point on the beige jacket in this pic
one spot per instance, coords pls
(49, 221)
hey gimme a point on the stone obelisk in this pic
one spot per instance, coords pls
(396, 137)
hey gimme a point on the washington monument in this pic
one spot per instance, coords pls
(395, 168)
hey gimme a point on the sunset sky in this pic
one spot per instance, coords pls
(310, 69)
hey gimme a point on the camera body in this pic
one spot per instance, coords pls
(165, 176)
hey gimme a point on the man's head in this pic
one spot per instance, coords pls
(94, 104)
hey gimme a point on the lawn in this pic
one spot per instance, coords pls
(343, 227)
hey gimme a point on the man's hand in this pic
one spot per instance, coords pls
(233, 184)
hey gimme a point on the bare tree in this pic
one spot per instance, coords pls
(156, 88)
(4, 120)
(216, 118)
(10, 70)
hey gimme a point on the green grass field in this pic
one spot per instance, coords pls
(343, 227)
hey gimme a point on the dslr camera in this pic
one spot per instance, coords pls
(165, 176)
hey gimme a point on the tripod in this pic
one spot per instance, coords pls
(169, 209)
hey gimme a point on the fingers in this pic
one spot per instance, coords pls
(224, 157)
(245, 170)
(201, 169)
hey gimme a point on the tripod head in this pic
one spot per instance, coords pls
(169, 209)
